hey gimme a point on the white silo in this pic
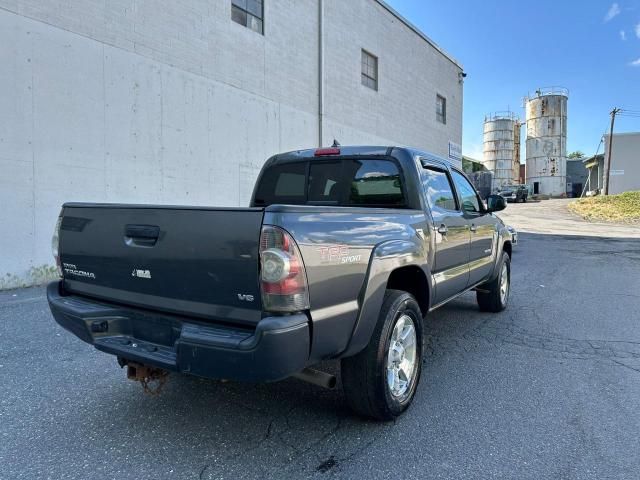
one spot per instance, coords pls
(546, 116)
(498, 148)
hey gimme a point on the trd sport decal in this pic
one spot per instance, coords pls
(337, 254)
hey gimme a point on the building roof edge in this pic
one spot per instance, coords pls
(419, 32)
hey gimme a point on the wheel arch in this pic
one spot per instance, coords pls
(413, 280)
(507, 247)
(392, 265)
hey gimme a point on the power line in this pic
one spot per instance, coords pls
(628, 112)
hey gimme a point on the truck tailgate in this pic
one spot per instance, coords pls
(194, 261)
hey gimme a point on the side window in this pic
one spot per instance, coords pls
(325, 183)
(375, 183)
(438, 189)
(468, 194)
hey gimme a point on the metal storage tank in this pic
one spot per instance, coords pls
(546, 116)
(498, 152)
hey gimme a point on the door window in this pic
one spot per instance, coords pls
(438, 189)
(468, 195)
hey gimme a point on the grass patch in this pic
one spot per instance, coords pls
(623, 208)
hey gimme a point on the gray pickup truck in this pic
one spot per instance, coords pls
(341, 254)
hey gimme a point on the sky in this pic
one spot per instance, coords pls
(510, 48)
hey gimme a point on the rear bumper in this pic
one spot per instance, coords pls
(277, 348)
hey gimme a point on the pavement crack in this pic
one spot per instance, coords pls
(327, 465)
(622, 364)
(505, 331)
(204, 469)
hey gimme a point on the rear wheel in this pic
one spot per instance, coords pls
(381, 381)
(493, 296)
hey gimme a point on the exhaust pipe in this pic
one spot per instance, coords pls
(321, 379)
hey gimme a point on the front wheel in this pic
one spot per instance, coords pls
(381, 381)
(493, 296)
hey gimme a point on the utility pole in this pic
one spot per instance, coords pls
(613, 119)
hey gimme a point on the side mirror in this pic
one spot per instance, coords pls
(495, 203)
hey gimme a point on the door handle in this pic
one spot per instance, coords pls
(473, 228)
(141, 235)
(442, 229)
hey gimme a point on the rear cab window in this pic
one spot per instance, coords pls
(345, 182)
(284, 182)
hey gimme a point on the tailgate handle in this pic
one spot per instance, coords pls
(141, 235)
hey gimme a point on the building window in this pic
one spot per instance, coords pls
(369, 70)
(441, 109)
(249, 13)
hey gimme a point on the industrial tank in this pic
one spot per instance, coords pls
(546, 116)
(499, 147)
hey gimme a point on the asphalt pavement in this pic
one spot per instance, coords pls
(550, 388)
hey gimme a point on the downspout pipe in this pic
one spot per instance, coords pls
(320, 72)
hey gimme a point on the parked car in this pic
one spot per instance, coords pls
(341, 254)
(514, 235)
(515, 193)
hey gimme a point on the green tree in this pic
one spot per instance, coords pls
(576, 154)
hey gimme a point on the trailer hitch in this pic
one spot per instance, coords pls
(152, 379)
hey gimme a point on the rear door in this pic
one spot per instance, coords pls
(191, 261)
(450, 270)
(482, 227)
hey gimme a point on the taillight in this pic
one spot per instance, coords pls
(55, 245)
(283, 280)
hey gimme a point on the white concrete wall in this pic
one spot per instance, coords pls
(167, 101)
(625, 162)
(84, 121)
(411, 73)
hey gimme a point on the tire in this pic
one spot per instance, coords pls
(492, 298)
(371, 387)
